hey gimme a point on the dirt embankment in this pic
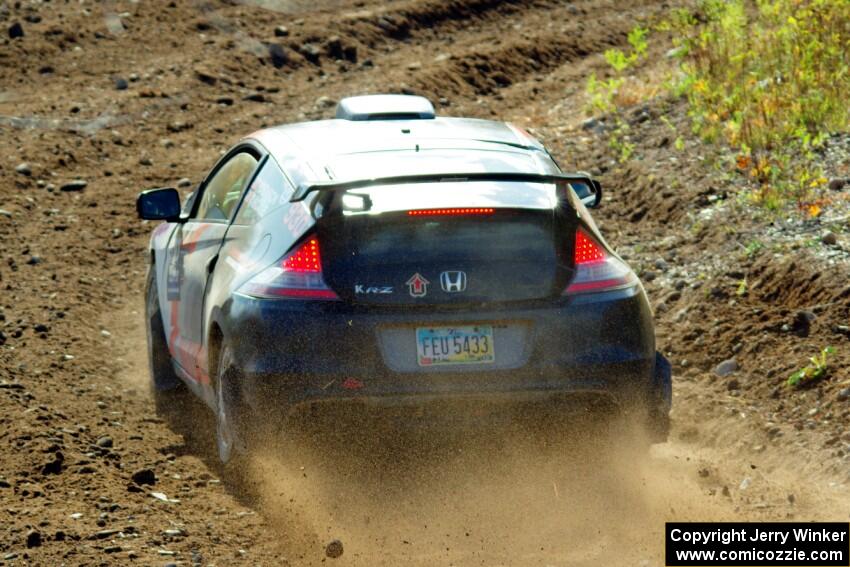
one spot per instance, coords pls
(99, 101)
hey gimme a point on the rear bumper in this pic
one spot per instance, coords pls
(620, 384)
(296, 354)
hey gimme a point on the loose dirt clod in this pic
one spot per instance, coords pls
(144, 477)
(33, 538)
(334, 549)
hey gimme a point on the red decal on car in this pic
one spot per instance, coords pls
(417, 285)
(352, 384)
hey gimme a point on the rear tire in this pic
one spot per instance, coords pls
(232, 431)
(166, 385)
(659, 414)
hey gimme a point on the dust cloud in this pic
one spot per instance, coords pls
(586, 492)
(576, 497)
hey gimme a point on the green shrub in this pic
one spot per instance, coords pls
(771, 78)
(602, 93)
(817, 369)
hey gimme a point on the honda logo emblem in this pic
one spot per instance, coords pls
(453, 282)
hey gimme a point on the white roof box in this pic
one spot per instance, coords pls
(385, 107)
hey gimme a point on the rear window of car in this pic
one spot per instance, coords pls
(447, 195)
(412, 162)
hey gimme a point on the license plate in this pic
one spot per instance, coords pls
(455, 345)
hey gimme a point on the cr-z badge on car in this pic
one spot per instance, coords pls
(257, 279)
(362, 289)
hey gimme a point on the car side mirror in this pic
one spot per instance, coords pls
(594, 198)
(589, 195)
(159, 204)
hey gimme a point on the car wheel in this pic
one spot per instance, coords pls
(164, 382)
(659, 413)
(231, 433)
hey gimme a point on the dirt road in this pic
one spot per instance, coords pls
(98, 101)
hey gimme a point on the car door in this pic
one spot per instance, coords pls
(195, 247)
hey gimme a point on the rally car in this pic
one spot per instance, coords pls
(390, 258)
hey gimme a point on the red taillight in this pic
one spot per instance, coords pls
(595, 269)
(451, 212)
(587, 251)
(296, 275)
(304, 260)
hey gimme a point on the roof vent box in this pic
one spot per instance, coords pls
(385, 107)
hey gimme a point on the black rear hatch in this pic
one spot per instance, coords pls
(463, 243)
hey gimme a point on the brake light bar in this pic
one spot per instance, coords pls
(451, 212)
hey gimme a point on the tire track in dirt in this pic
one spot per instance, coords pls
(481, 59)
(414, 20)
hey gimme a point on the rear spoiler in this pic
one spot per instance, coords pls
(591, 197)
